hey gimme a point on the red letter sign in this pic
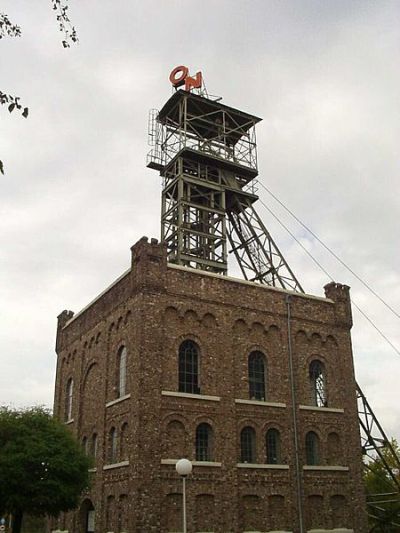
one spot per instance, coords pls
(177, 81)
(180, 76)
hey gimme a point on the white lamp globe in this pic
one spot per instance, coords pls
(183, 467)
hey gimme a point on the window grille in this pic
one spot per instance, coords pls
(273, 446)
(257, 376)
(203, 442)
(317, 379)
(112, 450)
(68, 402)
(312, 448)
(248, 445)
(94, 445)
(189, 367)
(122, 372)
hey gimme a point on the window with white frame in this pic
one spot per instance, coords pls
(121, 385)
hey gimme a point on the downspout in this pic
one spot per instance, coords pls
(294, 414)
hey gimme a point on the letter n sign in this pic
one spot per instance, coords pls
(180, 76)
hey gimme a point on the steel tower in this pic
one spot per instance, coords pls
(206, 153)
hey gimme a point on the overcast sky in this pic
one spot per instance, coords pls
(324, 76)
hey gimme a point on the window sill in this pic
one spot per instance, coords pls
(92, 469)
(336, 530)
(327, 468)
(118, 400)
(115, 465)
(260, 402)
(69, 421)
(320, 409)
(190, 395)
(262, 465)
(194, 463)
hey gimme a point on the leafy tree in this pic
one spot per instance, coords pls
(9, 29)
(43, 468)
(383, 489)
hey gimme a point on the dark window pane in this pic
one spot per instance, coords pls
(248, 445)
(203, 442)
(189, 368)
(317, 379)
(273, 447)
(256, 376)
(312, 448)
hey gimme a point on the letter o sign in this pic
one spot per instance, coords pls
(178, 75)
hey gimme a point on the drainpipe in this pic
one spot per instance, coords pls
(294, 414)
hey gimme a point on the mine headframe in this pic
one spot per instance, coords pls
(381, 458)
(206, 153)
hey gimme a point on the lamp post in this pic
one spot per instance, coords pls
(184, 468)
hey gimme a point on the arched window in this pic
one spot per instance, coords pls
(112, 446)
(87, 514)
(124, 442)
(273, 446)
(68, 399)
(248, 445)
(204, 442)
(256, 376)
(312, 448)
(317, 382)
(94, 445)
(85, 445)
(121, 385)
(189, 367)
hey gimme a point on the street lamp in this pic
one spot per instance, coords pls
(184, 468)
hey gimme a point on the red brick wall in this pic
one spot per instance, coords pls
(151, 310)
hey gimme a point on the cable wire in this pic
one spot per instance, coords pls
(326, 272)
(296, 239)
(331, 252)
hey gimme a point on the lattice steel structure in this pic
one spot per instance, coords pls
(206, 153)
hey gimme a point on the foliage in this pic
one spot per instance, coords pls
(43, 468)
(383, 492)
(7, 28)
(64, 23)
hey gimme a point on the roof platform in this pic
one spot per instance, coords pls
(209, 118)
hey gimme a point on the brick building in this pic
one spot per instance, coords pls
(252, 383)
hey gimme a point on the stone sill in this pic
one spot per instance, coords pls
(189, 395)
(336, 530)
(116, 465)
(69, 421)
(260, 402)
(118, 400)
(327, 468)
(320, 409)
(265, 466)
(194, 463)
(92, 469)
